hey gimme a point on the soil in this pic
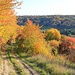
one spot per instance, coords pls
(7, 68)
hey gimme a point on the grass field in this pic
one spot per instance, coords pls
(44, 66)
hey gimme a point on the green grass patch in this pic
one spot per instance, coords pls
(17, 67)
(48, 67)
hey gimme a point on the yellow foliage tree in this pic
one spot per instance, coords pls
(9, 31)
(52, 34)
(54, 44)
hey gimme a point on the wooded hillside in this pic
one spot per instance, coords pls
(65, 23)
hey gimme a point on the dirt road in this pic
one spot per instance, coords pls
(7, 68)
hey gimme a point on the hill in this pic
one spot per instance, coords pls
(65, 23)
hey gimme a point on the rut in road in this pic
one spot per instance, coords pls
(29, 70)
(5, 69)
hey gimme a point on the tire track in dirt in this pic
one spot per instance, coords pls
(32, 72)
(5, 68)
(28, 69)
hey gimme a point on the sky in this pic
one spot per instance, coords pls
(47, 7)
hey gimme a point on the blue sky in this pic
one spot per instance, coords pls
(47, 7)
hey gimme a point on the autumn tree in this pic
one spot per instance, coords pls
(67, 44)
(32, 40)
(52, 34)
(8, 24)
(54, 44)
(7, 12)
(67, 47)
(3, 45)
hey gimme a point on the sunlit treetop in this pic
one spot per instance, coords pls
(7, 12)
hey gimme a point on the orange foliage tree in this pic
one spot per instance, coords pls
(67, 46)
(8, 25)
(33, 40)
(7, 16)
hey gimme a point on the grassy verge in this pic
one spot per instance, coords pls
(48, 67)
(17, 67)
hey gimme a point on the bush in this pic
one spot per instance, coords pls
(52, 34)
(54, 44)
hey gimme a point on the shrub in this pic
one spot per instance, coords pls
(54, 44)
(52, 34)
(67, 46)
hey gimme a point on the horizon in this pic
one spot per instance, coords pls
(45, 15)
